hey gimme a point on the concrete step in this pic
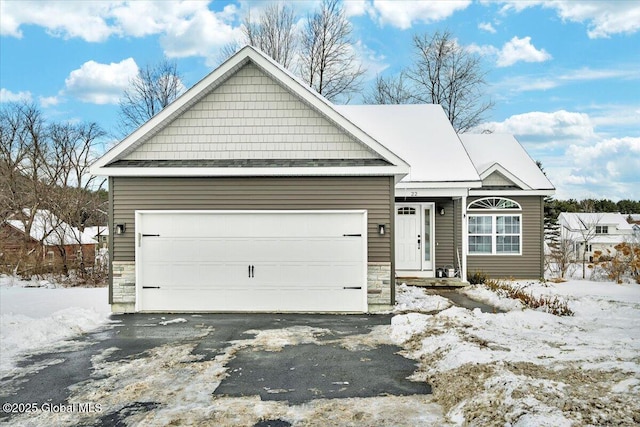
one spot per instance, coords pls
(447, 282)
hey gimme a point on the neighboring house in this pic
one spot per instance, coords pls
(49, 238)
(597, 231)
(251, 192)
(100, 233)
(634, 220)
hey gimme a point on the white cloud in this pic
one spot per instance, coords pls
(101, 83)
(579, 161)
(87, 20)
(517, 50)
(603, 18)
(202, 34)
(544, 82)
(186, 28)
(7, 96)
(486, 26)
(357, 7)
(550, 127)
(402, 14)
(372, 61)
(48, 101)
(608, 168)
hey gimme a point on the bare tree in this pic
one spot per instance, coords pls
(45, 168)
(274, 32)
(588, 231)
(562, 255)
(155, 87)
(24, 150)
(443, 72)
(390, 90)
(328, 62)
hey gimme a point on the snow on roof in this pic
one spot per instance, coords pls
(96, 230)
(50, 230)
(487, 150)
(578, 220)
(419, 133)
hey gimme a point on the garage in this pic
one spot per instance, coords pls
(300, 261)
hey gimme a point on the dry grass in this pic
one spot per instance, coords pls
(549, 304)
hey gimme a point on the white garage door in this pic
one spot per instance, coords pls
(251, 261)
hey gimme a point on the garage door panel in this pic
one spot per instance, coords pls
(233, 300)
(252, 261)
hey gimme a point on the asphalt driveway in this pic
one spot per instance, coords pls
(152, 368)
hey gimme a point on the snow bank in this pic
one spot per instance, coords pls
(415, 299)
(32, 319)
(527, 367)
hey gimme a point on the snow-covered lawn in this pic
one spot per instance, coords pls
(526, 367)
(36, 315)
(519, 368)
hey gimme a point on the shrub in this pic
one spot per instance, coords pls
(477, 278)
(549, 304)
(625, 260)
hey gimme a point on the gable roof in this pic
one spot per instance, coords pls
(113, 162)
(580, 220)
(423, 134)
(503, 152)
(52, 231)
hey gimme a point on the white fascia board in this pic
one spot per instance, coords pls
(403, 192)
(497, 167)
(439, 184)
(225, 172)
(549, 192)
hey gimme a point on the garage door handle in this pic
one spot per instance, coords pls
(151, 287)
(352, 287)
(251, 271)
(352, 235)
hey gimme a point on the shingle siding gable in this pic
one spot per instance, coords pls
(250, 116)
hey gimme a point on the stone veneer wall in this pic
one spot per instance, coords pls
(124, 287)
(379, 286)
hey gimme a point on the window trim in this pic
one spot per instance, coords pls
(494, 204)
(494, 234)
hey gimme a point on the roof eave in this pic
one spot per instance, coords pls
(398, 171)
(512, 192)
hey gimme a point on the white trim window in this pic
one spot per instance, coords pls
(495, 233)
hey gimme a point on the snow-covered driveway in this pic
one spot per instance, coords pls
(225, 369)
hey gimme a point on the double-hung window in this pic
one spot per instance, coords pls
(494, 233)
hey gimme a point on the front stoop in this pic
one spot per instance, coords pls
(448, 282)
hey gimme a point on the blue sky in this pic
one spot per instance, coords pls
(564, 75)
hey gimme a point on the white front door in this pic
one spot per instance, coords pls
(408, 237)
(414, 237)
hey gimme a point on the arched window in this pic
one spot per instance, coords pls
(494, 203)
(493, 233)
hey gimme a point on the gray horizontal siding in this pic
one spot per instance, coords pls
(375, 194)
(529, 265)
